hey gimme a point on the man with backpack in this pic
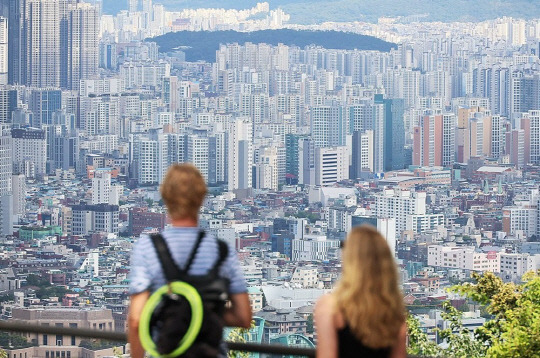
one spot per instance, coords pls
(184, 252)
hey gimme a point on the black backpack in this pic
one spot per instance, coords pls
(171, 318)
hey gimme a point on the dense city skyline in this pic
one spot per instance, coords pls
(435, 141)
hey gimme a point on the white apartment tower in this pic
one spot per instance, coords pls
(101, 187)
(240, 155)
(328, 126)
(267, 169)
(6, 197)
(149, 154)
(3, 51)
(29, 151)
(197, 151)
(399, 204)
(18, 184)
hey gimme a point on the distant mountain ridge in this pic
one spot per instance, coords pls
(202, 45)
(317, 11)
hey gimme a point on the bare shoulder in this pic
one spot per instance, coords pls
(326, 307)
(325, 303)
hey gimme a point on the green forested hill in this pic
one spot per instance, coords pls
(202, 45)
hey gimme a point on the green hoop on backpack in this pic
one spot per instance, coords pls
(195, 302)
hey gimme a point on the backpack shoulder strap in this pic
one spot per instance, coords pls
(170, 269)
(223, 253)
(194, 251)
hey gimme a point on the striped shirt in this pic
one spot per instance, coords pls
(146, 273)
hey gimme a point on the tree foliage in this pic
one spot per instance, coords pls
(36, 280)
(419, 344)
(309, 324)
(13, 341)
(97, 344)
(512, 331)
(239, 335)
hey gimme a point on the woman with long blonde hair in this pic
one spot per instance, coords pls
(365, 315)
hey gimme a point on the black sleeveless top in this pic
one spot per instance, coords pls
(350, 346)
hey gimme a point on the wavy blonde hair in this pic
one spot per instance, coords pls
(367, 294)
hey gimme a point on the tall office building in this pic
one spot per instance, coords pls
(393, 132)
(360, 116)
(108, 57)
(44, 103)
(497, 136)
(515, 147)
(331, 165)
(3, 50)
(293, 157)
(6, 195)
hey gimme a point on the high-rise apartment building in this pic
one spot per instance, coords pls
(40, 43)
(399, 204)
(18, 184)
(29, 151)
(362, 153)
(217, 157)
(62, 147)
(530, 125)
(328, 126)
(240, 153)
(434, 140)
(6, 196)
(4, 50)
(79, 51)
(149, 157)
(8, 103)
(267, 168)
(197, 150)
(51, 43)
(170, 93)
(101, 187)
(515, 147)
